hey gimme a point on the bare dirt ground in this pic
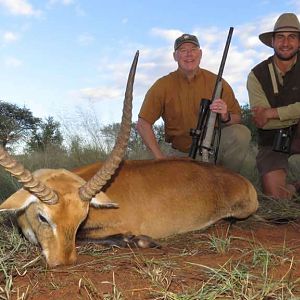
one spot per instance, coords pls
(241, 260)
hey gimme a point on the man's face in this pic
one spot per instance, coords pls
(286, 44)
(188, 57)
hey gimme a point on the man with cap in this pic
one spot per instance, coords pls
(274, 94)
(176, 98)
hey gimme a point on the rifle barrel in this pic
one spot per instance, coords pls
(222, 65)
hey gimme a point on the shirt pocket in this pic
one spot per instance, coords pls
(173, 114)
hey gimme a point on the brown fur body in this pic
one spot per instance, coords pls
(164, 197)
(155, 198)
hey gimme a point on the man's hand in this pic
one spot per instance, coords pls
(261, 115)
(219, 106)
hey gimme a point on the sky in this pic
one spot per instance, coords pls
(71, 58)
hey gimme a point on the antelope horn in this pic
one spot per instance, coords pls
(25, 177)
(95, 184)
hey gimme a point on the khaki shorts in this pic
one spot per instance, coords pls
(268, 160)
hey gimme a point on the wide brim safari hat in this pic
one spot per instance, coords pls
(287, 22)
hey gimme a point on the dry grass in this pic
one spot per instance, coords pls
(249, 274)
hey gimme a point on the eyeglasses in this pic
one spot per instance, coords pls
(185, 51)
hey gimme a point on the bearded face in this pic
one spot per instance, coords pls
(286, 45)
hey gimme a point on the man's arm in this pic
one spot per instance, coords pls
(261, 115)
(145, 130)
(264, 116)
(260, 107)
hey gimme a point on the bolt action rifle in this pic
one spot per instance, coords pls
(204, 134)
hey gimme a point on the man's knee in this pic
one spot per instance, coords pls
(234, 146)
(241, 134)
(274, 185)
(236, 135)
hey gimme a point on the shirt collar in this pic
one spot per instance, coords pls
(183, 75)
(279, 72)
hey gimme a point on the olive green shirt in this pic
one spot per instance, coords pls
(288, 115)
(177, 100)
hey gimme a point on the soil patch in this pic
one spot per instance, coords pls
(225, 261)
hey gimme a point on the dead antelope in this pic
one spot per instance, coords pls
(157, 198)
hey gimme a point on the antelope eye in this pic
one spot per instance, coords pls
(42, 219)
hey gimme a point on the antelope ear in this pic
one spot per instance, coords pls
(18, 201)
(101, 200)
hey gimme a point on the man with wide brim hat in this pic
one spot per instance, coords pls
(274, 95)
(287, 22)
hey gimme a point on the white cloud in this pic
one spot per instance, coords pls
(12, 62)
(78, 9)
(67, 2)
(9, 37)
(167, 34)
(63, 2)
(19, 7)
(99, 94)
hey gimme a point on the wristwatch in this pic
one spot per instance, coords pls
(228, 118)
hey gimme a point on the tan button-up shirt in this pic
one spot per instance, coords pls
(177, 101)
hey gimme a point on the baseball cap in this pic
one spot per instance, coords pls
(186, 38)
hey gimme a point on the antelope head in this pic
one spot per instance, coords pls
(53, 203)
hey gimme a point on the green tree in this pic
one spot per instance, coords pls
(136, 146)
(247, 120)
(46, 135)
(15, 123)
(110, 132)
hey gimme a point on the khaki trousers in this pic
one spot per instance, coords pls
(234, 145)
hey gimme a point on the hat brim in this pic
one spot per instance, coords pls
(266, 37)
(187, 41)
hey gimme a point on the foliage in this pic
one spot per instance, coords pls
(81, 153)
(15, 123)
(247, 121)
(136, 147)
(8, 185)
(46, 135)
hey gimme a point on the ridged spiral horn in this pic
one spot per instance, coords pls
(24, 176)
(96, 183)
